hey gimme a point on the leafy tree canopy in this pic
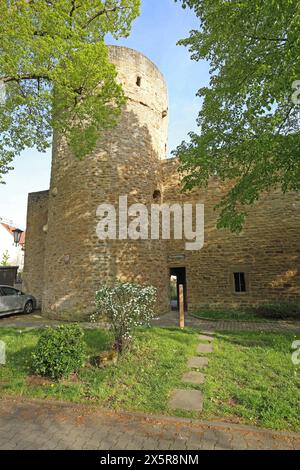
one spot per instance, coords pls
(249, 122)
(56, 74)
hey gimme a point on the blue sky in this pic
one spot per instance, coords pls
(155, 33)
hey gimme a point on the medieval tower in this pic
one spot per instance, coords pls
(65, 262)
(127, 161)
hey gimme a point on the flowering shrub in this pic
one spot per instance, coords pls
(126, 306)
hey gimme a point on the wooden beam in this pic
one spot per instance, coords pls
(181, 307)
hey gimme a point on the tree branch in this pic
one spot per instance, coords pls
(100, 13)
(257, 38)
(73, 8)
(23, 77)
(105, 11)
(285, 119)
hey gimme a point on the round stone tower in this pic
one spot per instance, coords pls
(126, 162)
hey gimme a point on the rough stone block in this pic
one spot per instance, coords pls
(206, 338)
(190, 400)
(197, 362)
(204, 348)
(194, 377)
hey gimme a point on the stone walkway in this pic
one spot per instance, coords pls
(49, 425)
(189, 399)
(36, 321)
(170, 320)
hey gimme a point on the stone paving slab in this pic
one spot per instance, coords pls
(210, 339)
(197, 362)
(165, 321)
(193, 377)
(190, 400)
(208, 332)
(204, 348)
(36, 321)
(209, 326)
(41, 424)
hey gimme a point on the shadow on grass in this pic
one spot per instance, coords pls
(20, 345)
(246, 339)
(174, 334)
(97, 340)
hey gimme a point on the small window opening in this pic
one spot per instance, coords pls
(157, 195)
(164, 114)
(139, 81)
(239, 282)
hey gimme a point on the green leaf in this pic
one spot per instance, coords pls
(55, 73)
(249, 125)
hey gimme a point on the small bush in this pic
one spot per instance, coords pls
(59, 351)
(126, 306)
(282, 310)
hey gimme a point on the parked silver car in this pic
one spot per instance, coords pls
(15, 301)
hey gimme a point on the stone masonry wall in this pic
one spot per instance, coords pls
(65, 266)
(37, 215)
(125, 162)
(267, 250)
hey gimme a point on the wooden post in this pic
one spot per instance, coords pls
(181, 306)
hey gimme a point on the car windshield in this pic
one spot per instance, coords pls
(9, 291)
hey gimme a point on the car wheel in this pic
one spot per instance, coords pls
(28, 307)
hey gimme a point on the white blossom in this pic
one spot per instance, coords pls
(126, 306)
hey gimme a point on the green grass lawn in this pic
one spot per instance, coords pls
(228, 315)
(141, 380)
(250, 378)
(289, 311)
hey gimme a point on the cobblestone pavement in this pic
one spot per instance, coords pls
(169, 320)
(36, 320)
(48, 425)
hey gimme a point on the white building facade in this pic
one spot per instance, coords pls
(7, 246)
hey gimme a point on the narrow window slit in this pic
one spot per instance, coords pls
(239, 282)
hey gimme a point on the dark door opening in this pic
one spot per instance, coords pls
(177, 277)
